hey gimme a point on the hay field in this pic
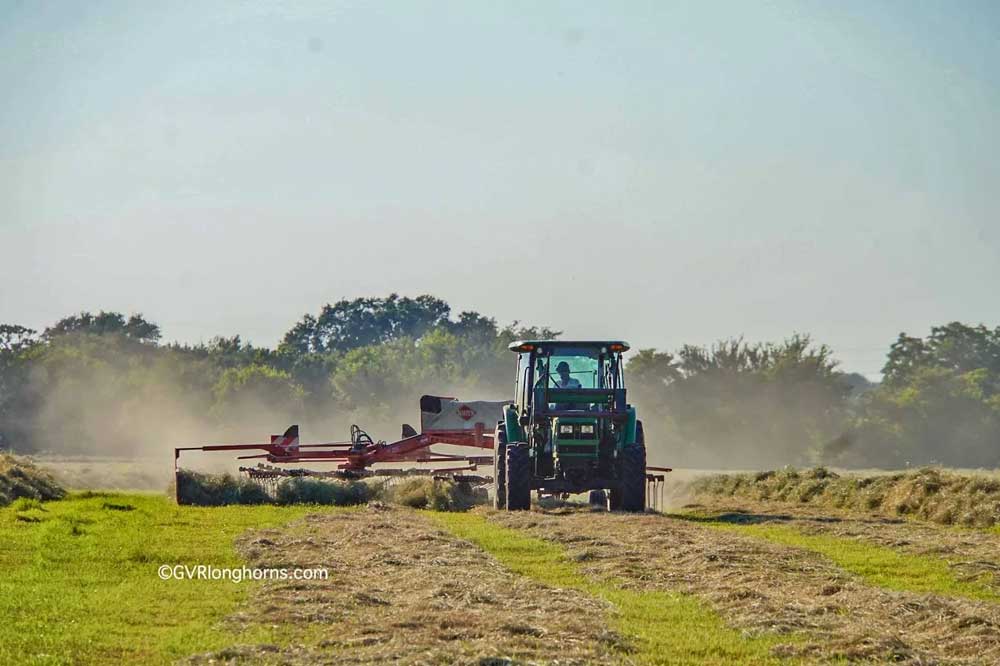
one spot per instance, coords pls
(728, 579)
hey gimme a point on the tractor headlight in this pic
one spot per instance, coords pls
(566, 429)
(587, 429)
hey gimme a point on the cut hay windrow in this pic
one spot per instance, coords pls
(224, 489)
(402, 591)
(435, 494)
(20, 477)
(418, 492)
(931, 494)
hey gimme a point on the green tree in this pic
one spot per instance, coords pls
(104, 323)
(954, 346)
(247, 392)
(14, 339)
(939, 403)
(347, 325)
(737, 404)
(649, 375)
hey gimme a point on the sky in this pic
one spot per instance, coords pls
(667, 173)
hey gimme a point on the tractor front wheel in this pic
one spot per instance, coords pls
(500, 467)
(518, 481)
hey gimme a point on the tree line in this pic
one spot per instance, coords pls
(105, 383)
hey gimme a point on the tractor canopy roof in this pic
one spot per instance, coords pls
(530, 345)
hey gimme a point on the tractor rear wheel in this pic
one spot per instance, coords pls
(630, 495)
(518, 481)
(633, 481)
(500, 467)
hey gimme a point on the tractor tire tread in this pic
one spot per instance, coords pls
(633, 481)
(500, 467)
(518, 481)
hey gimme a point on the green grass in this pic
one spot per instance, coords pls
(876, 565)
(666, 628)
(79, 583)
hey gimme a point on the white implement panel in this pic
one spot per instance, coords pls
(439, 413)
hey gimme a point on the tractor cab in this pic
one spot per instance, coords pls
(571, 416)
(574, 378)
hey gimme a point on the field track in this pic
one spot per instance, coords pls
(403, 591)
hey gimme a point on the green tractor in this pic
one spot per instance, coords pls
(569, 429)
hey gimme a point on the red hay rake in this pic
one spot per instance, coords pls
(443, 421)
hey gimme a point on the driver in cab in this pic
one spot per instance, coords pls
(565, 381)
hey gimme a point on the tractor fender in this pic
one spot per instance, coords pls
(512, 424)
(630, 426)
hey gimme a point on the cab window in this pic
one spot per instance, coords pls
(585, 370)
(523, 379)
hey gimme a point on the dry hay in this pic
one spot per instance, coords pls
(217, 489)
(429, 493)
(222, 489)
(416, 492)
(305, 490)
(760, 586)
(972, 554)
(402, 591)
(20, 477)
(929, 494)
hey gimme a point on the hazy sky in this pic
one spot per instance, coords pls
(662, 172)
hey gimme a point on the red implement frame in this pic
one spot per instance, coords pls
(358, 457)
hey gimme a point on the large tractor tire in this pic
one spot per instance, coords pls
(518, 481)
(631, 493)
(500, 467)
